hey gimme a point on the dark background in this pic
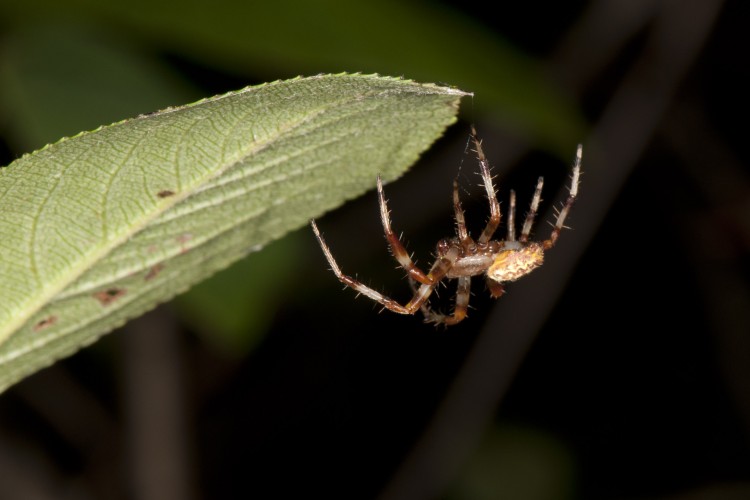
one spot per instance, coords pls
(620, 369)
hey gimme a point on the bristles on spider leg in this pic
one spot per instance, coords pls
(563, 212)
(533, 210)
(576, 178)
(361, 288)
(458, 211)
(326, 251)
(489, 187)
(398, 250)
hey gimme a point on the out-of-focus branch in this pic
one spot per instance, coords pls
(159, 458)
(721, 240)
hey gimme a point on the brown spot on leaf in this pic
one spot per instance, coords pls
(45, 323)
(108, 296)
(154, 271)
(166, 193)
(183, 240)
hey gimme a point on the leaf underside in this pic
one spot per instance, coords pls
(99, 228)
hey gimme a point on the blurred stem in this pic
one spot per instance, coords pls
(159, 462)
(720, 239)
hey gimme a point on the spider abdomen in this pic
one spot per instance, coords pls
(511, 264)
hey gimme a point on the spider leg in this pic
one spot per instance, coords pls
(397, 248)
(512, 217)
(463, 235)
(459, 311)
(496, 288)
(427, 311)
(439, 269)
(484, 166)
(572, 194)
(533, 208)
(462, 301)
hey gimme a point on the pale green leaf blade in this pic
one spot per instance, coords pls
(99, 228)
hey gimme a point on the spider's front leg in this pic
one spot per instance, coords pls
(397, 248)
(421, 294)
(495, 214)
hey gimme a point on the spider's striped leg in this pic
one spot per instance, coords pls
(441, 267)
(397, 248)
(572, 194)
(459, 311)
(430, 315)
(484, 166)
(512, 217)
(438, 271)
(463, 235)
(533, 208)
(462, 301)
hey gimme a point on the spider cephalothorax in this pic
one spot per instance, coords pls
(462, 257)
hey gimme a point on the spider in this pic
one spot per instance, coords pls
(462, 257)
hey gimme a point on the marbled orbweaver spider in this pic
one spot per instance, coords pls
(462, 257)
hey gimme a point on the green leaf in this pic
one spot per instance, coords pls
(99, 228)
